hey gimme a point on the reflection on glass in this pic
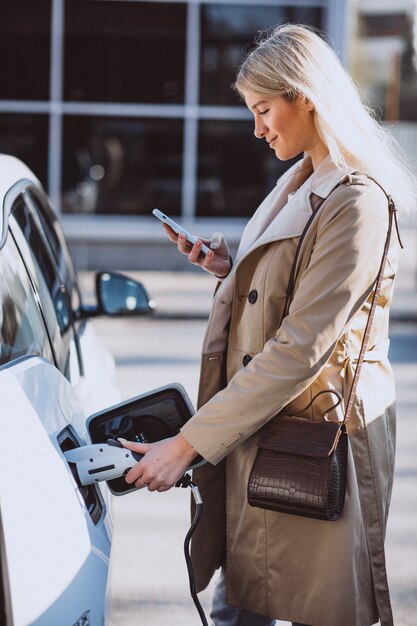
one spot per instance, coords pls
(26, 137)
(46, 268)
(125, 166)
(22, 330)
(235, 170)
(24, 28)
(227, 32)
(124, 51)
(52, 230)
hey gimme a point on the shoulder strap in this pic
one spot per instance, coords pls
(371, 315)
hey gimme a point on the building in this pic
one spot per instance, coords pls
(120, 106)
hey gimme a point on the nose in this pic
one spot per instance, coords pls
(260, 129)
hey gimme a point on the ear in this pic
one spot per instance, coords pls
(307, 103)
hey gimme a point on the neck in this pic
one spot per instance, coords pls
(317, 154)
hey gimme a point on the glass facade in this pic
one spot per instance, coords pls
(138, 52)
(128, 104)
(25, 29)
(227, 32)
(25, 135)
(226, 183)
(121, 165)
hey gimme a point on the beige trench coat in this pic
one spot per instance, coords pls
(292, 568)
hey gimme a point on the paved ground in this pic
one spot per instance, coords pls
(148, 581)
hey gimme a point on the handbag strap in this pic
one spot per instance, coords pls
(371, 315)
(291, 283)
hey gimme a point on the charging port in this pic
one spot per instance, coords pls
(67, 440)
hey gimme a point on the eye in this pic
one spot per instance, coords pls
(263, 112)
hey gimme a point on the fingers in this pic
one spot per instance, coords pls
(171, 233)
(163, 463)
(218, 249)
(216, 241)
(135, 475)
(142, 448)
(195, 256)
(142, 482)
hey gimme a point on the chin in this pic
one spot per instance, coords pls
(283, 155)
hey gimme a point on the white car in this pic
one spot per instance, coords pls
(55, 535)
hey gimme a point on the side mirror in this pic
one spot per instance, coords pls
(118, 295)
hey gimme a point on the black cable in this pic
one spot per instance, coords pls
(186, 481)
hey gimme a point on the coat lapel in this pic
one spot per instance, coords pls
(283, 213)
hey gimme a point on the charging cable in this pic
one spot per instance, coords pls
(185, 481)
(105, 461)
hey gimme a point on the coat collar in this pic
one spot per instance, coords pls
(327, 176)
(285, 211)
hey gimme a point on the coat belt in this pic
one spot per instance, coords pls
(378, 352)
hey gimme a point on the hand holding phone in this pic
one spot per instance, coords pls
(179, 229)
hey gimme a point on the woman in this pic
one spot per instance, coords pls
(276, 565)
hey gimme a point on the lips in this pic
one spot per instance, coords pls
(271, 143)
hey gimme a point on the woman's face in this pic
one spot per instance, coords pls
(287, 126)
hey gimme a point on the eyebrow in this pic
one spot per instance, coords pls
(257, 104)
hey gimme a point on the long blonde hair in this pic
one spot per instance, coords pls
(293, 60)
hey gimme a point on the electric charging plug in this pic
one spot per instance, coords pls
(101, 461)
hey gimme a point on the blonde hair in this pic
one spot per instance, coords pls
(294, 61)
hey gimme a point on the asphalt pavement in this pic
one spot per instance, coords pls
(148, 578)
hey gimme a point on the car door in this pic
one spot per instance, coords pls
(54, 539)
(54, 543)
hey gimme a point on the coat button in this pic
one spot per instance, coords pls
(253, 296)
(246, 359)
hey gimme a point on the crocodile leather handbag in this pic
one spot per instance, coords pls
(300, 467)
(301, 464)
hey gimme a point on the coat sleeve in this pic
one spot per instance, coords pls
(344, 264)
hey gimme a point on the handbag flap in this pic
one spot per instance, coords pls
(296, 435)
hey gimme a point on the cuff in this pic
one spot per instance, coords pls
(230, 269)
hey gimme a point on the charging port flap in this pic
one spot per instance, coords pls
(149, 417)
(68, 440)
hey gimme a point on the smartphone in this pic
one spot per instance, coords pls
(179, 229)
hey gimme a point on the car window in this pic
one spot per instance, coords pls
(52, 291)
(22, 329)
(55, 238)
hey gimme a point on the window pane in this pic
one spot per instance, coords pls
(383, 63)
(26, 137)
(49, 225)
(24, 29)
(226, 31)
(229, 185)
(22, 330)
(52, 230)
(45, 268)
(122, 165)
(124, 51)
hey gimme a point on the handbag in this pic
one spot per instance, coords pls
(301, 467)
(301, 464)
